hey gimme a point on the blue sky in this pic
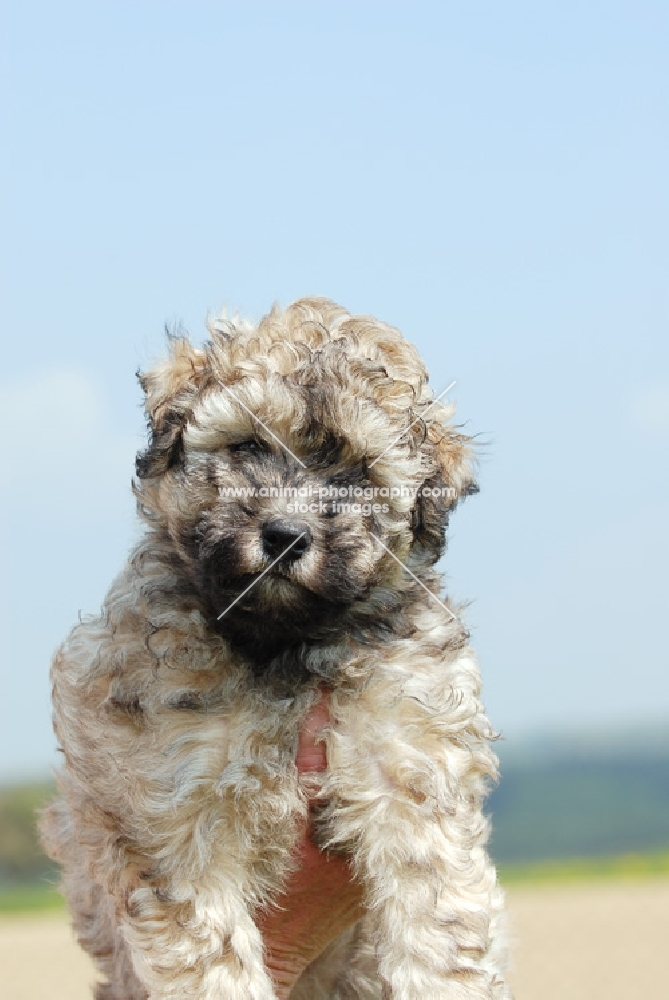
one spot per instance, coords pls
(490, 177)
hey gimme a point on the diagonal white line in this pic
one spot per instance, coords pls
(426, 589)
(406, 429)
(264, 426)
(266, 570)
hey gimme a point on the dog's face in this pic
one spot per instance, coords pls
(287, 462)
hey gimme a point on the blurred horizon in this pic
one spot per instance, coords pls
(528, 748)
(594, 805)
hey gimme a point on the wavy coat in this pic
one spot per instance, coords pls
(180, 801)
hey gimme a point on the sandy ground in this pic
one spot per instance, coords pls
(587, 942)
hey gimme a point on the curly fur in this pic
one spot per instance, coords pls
(181, 803)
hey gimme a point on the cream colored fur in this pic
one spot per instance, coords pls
(180, 800)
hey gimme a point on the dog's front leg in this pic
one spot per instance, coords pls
(406, 787)
(432, 936)
(195, 942)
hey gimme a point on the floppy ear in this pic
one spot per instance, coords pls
(170, 390)
(451, 480)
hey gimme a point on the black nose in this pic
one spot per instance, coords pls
(279, 536)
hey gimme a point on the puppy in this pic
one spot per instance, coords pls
(295, 492)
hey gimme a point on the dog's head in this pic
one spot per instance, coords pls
(295, 466)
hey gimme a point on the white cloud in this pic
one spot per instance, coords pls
(651, 409)
(52, 414)
(60, 448)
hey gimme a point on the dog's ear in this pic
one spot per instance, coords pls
(170, 390)
(451, 480)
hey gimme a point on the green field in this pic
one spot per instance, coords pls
(30, 899)
(623, 866)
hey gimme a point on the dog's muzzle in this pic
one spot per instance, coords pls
(286, 540)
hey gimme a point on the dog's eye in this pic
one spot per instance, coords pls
(250, 447)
